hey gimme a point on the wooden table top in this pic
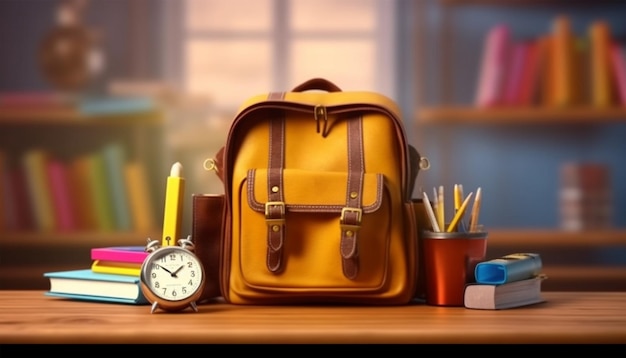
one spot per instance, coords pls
(566, 317)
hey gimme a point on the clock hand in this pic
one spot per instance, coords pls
(168, 271)
(178, 269)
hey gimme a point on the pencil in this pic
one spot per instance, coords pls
(459, 214)
(174, 196)
(475, 211)
(441, 220)
(431, 214)
(463, 227)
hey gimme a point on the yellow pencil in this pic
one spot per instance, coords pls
(461, 196)
(459, 214)
(172, 216)
(475, 211)
(441, 220)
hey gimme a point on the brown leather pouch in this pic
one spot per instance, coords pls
(208, 212)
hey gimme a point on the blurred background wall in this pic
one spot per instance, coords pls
(222, 52)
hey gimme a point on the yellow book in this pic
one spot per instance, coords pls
(600, 42)
(139, 198)
(116, 268)
(39, 192)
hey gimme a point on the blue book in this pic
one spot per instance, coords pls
(87, 285)
(115, 105)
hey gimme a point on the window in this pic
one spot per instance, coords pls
(226, 51)
(233, 49)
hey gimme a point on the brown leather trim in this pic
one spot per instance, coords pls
(275, 214)
(350, 226)
(308, 207)
(317, 84)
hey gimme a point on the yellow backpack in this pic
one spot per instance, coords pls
(318, 205)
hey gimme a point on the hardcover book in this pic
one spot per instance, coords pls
(132, 254)
(114, 157)
(139, 199)
(493, 69)
(92, 286)
(62, 204)
(117, 268)
(115, 105)
(39, 192)
(600, 41)
(83, 200)
(504, 296)
(101, 192)
(618, 58)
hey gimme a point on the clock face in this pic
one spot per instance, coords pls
(173, 273)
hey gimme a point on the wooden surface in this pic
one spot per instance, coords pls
(566, 317)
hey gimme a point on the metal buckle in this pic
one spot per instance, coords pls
(359, 215)
(274, 204)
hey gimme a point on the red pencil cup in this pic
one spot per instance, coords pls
(449, 262)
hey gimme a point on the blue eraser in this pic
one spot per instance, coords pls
(509, 268)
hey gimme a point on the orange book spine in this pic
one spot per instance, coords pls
(83, 203)
(562, 63)
(600, 42)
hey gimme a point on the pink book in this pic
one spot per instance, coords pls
(515, 74)
(22, 212)
(618, 59)
(61, 195)
(131, 254)
(494, 67)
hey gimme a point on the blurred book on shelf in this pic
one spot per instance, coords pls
(585, 196)
(99, 190)
(558, 68)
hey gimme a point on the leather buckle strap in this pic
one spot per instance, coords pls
(352, 214)
(351, 219)
(274, 214)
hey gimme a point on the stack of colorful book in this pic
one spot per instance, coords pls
(113, 277)
(507, 282)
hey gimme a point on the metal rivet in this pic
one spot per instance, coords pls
(274, 189)
(349, 233)
(275, 228)
(354, 194)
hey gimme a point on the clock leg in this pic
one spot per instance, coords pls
(155, 305)
(193, 306)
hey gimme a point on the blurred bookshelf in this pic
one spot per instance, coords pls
(574, 260)
(64, 132)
